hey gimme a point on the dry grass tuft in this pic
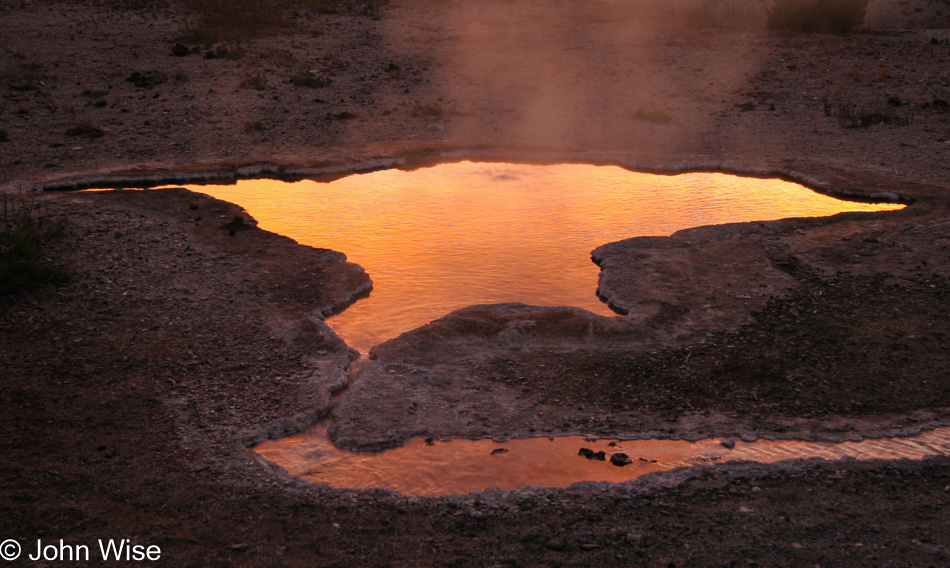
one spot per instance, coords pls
(852, 115)
(817, 16)
(253, 126)
(257, 82)
(234, 20)
(25, 230)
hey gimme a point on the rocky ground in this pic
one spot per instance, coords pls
(130, 393)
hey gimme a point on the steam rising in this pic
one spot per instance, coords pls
(607, 74)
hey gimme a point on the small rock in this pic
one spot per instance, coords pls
(241, 547)
(620, 459)
(756, 489)
(498, 451)
(591, 454)
(180, 50)
(554, 544)
(589, 546)
(729, 444)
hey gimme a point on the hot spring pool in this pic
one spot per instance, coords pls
(437, 239)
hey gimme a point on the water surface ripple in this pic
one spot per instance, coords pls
(438, 239)
(463, 466)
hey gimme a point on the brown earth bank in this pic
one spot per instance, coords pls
(130, 393)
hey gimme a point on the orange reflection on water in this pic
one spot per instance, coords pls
(438, 239)
(463, 466)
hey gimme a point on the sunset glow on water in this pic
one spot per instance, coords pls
(463, 466)
(438, 239)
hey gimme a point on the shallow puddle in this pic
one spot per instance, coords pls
(438, 239)
(463, 466)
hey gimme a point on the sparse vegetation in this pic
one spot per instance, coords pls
(147, 79)
(419, 109)
(344, 115)
(84, 130)
(253, 126)
(234, 52)
(308, 80)
(24, 231)
(93, 93)
(678, 13)
(257, 82)
(283, 57)
(224, 20)
(852, 115)
(816, 16)
(24, 77)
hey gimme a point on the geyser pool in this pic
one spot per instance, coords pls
(441, 238)
(437, 239)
